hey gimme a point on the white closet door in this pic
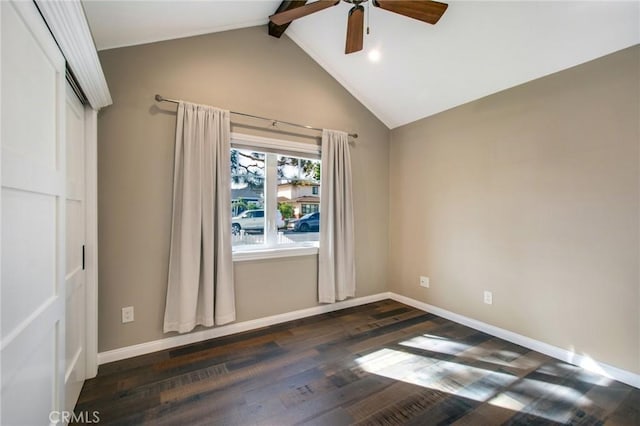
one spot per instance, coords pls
(76, 316)
(32, 290)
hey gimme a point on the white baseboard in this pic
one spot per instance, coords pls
(225, 330)
(583, 361)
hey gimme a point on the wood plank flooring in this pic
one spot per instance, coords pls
(379, 364)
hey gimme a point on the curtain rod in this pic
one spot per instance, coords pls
(160, 98)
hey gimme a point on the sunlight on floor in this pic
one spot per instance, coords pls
(526, 395)
(435, 343)
(561, 369)
(591, 365)
(446, 376)
(498, 388)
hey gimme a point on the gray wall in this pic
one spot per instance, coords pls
(532, 194)
(242, 70)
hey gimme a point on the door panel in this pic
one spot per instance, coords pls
(33, 217)
(24, 59)
(28, 261)
(75, 283)
(29, 399)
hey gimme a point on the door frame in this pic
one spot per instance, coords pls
(68, 25)
(91, 239)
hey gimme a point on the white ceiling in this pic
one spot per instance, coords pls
(476, 49)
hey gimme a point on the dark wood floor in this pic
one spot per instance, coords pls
(378, 364)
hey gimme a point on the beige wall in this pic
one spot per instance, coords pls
(532, 194)
(242, 70)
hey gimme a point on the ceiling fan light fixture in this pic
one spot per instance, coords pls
(423, 10)
(374, 55)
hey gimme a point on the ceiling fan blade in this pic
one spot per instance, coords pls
(298, 12)
(277, 30)
(426, 11)
(355, 27)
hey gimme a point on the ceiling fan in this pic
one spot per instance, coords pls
(422, 10)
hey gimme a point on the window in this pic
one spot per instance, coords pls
(247, 196)
(309, 208)
(274, 188)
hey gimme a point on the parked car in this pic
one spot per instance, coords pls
(253, 220)
(308, 222)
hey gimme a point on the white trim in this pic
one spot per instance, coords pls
(241, 139)
(273, 253)
(225, 330)
(271, 212)
(271, 249)
(91, 240)
(69, 26)
(582, 361)
(1, 185)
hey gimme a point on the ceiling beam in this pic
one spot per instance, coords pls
(278, 30)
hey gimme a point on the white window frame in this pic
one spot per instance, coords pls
(270, 249)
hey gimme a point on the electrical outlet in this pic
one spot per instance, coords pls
(127, 314)
(488, 297)
(424, 282)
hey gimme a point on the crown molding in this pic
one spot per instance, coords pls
(69, 27)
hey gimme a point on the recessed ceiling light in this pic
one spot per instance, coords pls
(374, 55)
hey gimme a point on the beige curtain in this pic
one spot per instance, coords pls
(336, 259)
(200, 288)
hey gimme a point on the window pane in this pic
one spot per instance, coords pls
(247, 197)
(298, 198)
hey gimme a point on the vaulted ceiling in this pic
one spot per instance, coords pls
(476, 49)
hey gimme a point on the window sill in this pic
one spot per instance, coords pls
(273, 253)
